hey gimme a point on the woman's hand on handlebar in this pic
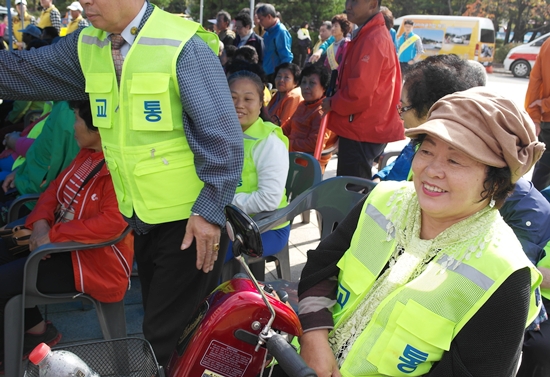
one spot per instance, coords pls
(316, 352)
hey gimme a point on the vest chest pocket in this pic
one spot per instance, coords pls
(99, 87)
(414, 338)
(150, 101)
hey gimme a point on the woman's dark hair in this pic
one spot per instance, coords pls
(304, 24)
(497, 184)
(345, 25)
(247, 53)
(85, 112)
(244, 18)
(50, 32)
(293, 68)
(241, 65)
(320, 70)
(257, 81)
(433, 78)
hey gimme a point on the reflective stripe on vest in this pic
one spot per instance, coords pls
(257, 132)
(141, 125)
(414, 325)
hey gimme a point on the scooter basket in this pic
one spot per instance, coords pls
(126, 357)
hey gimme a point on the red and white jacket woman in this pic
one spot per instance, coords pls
(103, 273)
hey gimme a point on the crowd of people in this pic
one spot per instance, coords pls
(440, 271)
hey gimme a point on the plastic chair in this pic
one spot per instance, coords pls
(331, 198)
(111, 316)
(304, 172)
(386, 158)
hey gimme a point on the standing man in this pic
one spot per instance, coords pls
(363, 110)
(537, 104)
(409, 47)
(171, 139)
(325, 40)
(246, 35)
(277, 40)
(77, 21)
(50, 16)
(227, 36)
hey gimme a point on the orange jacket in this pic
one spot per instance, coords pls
(302, 130)
(281, 110)
(364, 108)
(104, 272)
(539, 86)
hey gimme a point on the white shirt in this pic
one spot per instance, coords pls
(244, 39)
(271, 160)
(127, 32)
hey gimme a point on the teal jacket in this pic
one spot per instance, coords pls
(51, 152)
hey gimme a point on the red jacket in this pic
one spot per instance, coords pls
(103, 273)
(365, 106)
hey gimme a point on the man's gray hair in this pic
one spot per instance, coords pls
(266, 10)
(327, 24)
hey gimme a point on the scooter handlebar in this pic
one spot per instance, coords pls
(288, 358)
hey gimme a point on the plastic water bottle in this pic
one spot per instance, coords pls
(59, 363)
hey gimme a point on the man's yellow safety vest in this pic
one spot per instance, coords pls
(257, 132)
(140, 123)
(414, 325)
(73, 25)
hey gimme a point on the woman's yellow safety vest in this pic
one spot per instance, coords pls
(18, 25)
(45, 18)
(257, 132)
(140, 123)
(414, 326)
(545, 262)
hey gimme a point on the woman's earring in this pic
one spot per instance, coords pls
(492, 202)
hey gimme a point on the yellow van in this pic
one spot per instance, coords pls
(468, 37)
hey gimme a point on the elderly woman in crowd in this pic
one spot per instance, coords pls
(288, 96)
(303, 127)
(79, 205)
(424, 277)
(262, 186)
(335, 52)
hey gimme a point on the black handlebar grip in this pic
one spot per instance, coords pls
(288, 358)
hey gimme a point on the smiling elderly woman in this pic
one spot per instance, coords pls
(424, 278)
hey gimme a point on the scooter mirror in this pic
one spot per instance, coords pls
(244, 233)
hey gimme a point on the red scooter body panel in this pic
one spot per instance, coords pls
(209, 346)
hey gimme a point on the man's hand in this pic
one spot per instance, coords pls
(206, 235)
(9, 182)
(316, 352)
(326, 105)
(11, 139)
(315, 56)
(40, 234)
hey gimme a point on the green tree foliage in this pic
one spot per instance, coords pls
(293, 12)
